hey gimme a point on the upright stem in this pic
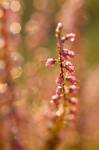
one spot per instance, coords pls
(60, 46)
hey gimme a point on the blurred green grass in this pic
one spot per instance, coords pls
(92, 33)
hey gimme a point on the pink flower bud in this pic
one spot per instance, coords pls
(50, 62)
(71, 53)
(71, 37)
(73, 89)
(71, 78)
(60, 80)
(54, 103)
(73, 100)
(65, 53)
(59, 90)
(55, 97)
(55, 100)
(69, 66)
(68, 54)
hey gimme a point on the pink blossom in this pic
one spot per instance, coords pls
(55, 100)
(73, 100)
(50, 62)
(68, 53)
(71, 37)
(55, 97)
(71, 53)
(69, 66)
(59, 90)
(73, 89)
(71, 78)
(60, 80)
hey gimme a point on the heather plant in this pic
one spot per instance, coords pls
(64, 102)
(29, 118)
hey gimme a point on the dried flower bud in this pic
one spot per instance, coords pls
(73, 100)
(60, 80)
(50, 62)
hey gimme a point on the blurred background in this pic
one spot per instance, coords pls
(24, 119)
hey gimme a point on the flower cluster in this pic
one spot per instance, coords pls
(64, 101)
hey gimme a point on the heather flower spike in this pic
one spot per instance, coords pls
(64, 98)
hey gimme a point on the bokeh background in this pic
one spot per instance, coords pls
(37, 83)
